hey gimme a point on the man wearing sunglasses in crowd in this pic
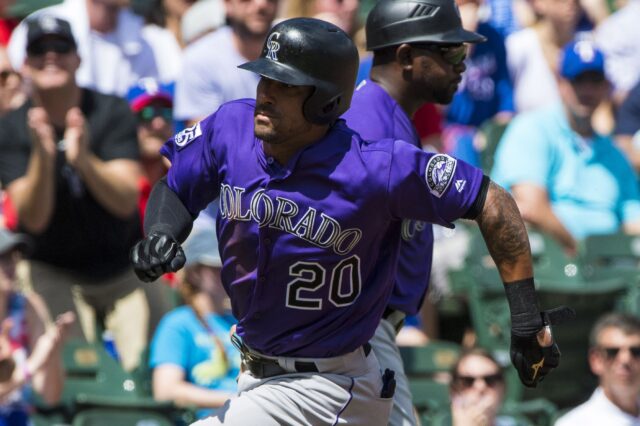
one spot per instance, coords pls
(69, 163)
(614, 358)
(415, 60)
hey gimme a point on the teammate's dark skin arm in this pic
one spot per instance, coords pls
(505, 234)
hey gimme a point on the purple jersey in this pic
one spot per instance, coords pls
(376, 115)
(308, 248)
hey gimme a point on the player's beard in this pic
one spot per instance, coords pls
(444, 94)
(267, 135)
(443, 97)
(273, 135)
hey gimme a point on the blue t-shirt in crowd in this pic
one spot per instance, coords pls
(486, 88)
(628, 116)
(591, 185)
(501, 16)
(365, 68)
(210, 361)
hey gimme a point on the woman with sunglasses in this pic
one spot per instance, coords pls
(477, 390)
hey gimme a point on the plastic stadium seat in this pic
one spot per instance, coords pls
(612, 255)
(427, 368)
(112, 417)
(425, 361)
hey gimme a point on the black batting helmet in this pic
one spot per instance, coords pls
(393, 22)
(311, 52)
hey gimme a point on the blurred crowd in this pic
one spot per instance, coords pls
(549, 107)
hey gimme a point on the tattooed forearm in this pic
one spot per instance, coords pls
(505, 235)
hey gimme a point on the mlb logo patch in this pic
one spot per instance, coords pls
(439, 173)
(189, 134)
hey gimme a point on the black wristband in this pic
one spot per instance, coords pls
(526, 320)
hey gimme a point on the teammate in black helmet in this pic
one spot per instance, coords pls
(419, 48)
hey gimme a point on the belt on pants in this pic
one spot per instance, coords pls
(262, 367)
(395, 318)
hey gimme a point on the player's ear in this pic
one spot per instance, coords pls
(404, 56)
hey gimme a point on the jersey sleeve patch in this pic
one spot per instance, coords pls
(439, 173)
(187, 135)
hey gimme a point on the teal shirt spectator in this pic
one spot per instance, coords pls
(182, 340)
(591, 185)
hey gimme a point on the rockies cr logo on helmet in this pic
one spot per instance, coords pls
(273, 46)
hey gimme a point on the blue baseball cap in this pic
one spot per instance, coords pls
(579, 57)
(149, 90)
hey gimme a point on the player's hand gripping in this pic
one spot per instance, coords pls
(156, 255)
(534, 356)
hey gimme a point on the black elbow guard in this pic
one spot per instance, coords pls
(166, 213)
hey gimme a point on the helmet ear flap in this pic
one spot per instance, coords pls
(321, 114)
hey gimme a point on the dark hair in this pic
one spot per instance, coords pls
(628, 324)
(153, 12)
(466, 353)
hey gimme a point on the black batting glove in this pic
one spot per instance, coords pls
(155, 255)
(532, 360)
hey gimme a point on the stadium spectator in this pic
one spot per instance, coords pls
(167, 14)
(30, 352)
(68, 160)
(162, 32)
(7, 24)
(428, 122)
(614, 357)
(532, 53)
(508, 16)
(114, 53)
(485, 93)
(193, 360)
(152, 102)
(209, 68)
(477, 390)
(12, 90)
(627, 131)
(568, 180)
(204, 17)
(341, 13)
(617, 37)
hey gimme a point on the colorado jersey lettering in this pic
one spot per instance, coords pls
(295, 246)
(285, 215)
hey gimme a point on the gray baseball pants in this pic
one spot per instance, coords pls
(345, 390)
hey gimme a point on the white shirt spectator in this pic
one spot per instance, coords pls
(618, 37)
(598, 410)
(111, 62)
(210, 76)
(167, 51)
(534, 84)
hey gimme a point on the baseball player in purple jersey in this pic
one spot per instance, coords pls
(309, 229)
(382, 107)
